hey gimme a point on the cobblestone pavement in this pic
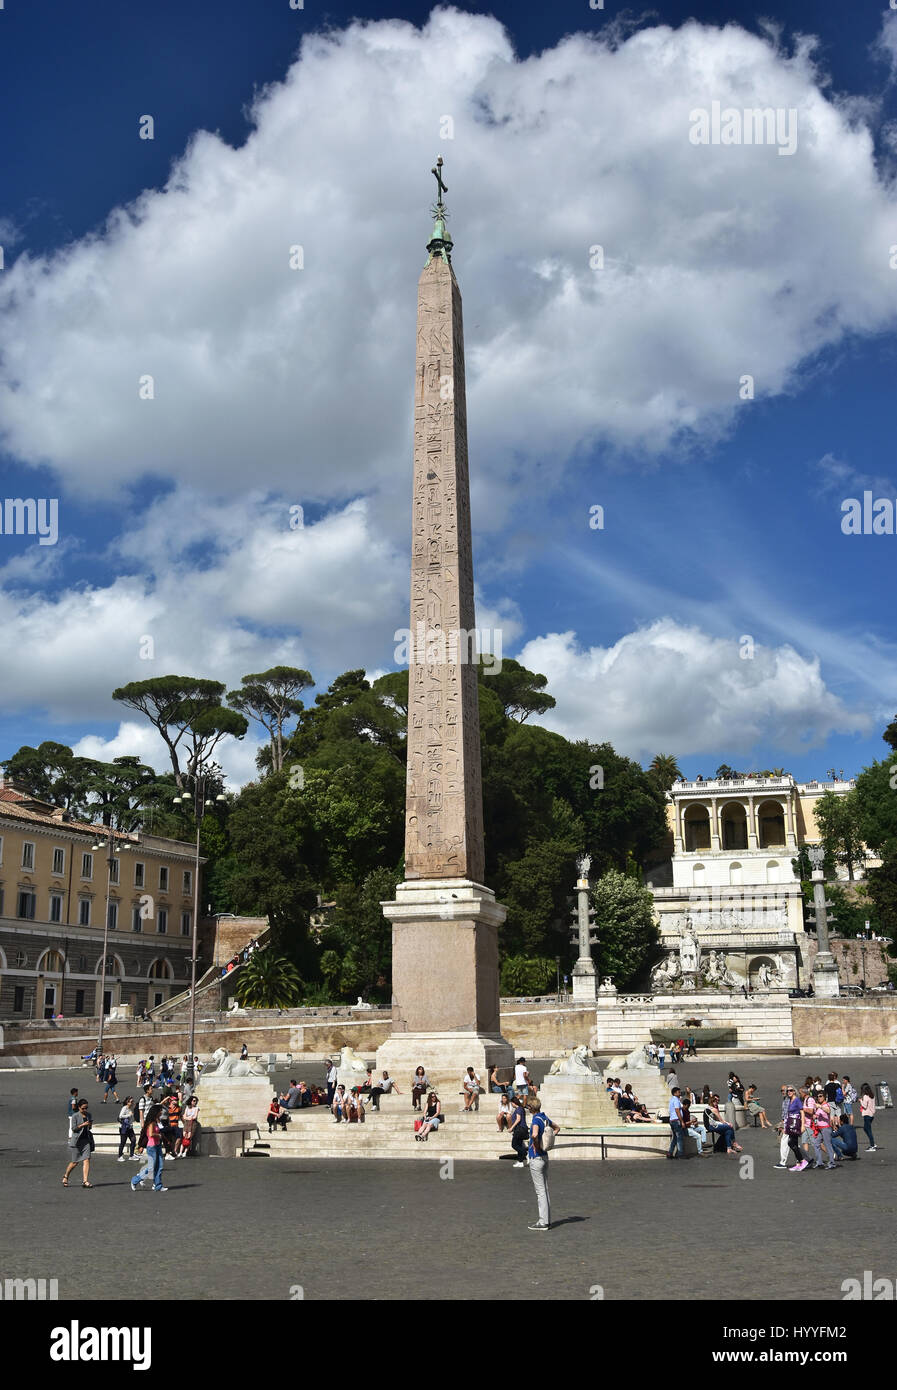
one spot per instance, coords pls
(262, 1228)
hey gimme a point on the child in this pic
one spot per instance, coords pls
(126, 1129)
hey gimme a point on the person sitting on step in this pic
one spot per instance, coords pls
(470, 1087)
(432, 1116)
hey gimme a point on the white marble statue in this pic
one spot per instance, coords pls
(228, 1065)
(572, 1063)
(348, 1060)
(362, 1005)
(665, 972)
(633, 1061)
(688, 949)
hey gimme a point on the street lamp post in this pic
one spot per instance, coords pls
(199, 807)
(111, 852)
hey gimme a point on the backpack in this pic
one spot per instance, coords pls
(839, 1096)
(546, 1138)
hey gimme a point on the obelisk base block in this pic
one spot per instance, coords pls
(585, 982)
(446, 1010)
(445, 1057)
(825, 976)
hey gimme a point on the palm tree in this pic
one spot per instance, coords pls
(267, 981)
(664, 769)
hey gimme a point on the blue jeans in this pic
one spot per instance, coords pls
(867, 1126)
(841, 1148)
(152, 1168)
(728, 1134)
(677, 1139)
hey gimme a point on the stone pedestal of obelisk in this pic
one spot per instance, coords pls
(585, 981)
(445, 993)
(825, 968)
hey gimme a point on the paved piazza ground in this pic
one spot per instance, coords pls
(257, 1228)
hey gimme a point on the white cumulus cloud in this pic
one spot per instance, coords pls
(671, 687)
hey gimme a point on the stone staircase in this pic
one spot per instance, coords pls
(312, 1133)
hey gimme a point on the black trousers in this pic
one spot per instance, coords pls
(520, 1142)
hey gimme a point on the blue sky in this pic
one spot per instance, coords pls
(618, 387)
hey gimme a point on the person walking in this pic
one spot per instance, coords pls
(818, 1121)
(677, 1137)
(867, 1110)
(81, 1145)
(538, 1166)
(692, 1049)
(126, 1135)
(661, 1057)
(111, 1080)
(781, 1128)
(793, 1125)
(150, 1142)
(519, 1132)
(850, 1097)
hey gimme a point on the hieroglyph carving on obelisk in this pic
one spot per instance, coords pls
(444, 802)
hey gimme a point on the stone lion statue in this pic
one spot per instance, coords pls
(228, 1065)
(572, 1062)
(633, 1061)
(347, 1059)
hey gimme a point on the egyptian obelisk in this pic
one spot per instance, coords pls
(445, 1005)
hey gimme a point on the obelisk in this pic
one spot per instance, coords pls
(445, 993)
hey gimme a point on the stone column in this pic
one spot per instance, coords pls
(752, 827)
(825, 968)
(445, 1006)
(584, 978)
(715, 838)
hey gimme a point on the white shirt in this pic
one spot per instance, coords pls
(520, 1074)
(331, 1076)
(469, 1081)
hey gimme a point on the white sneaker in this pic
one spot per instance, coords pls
(122, 1159)
(519, 1165)
(160, 1189)
(780, 1165)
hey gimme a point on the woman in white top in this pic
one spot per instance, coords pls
(420, 1085)
(504, 1114)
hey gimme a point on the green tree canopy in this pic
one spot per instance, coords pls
(271, 698)
(183, 708)
(628, 936)
(268, 981)
(839, 821)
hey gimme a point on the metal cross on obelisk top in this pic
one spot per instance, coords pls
(441, 187)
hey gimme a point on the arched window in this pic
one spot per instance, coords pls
(698, 875)
(160, 970)
(773, 869)
(51, 963)
(771, 824)
(735, 872)
(697, 829)
(734, 826)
